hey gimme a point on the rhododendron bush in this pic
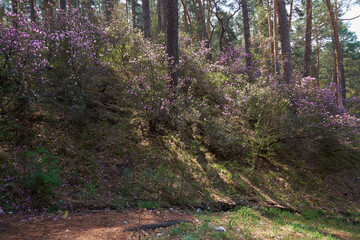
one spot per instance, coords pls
(77, 72)
(22, 63)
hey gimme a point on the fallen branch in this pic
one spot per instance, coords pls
(153, 226)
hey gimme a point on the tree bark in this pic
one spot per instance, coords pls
(270, 32)
(133, 10)
(307, 58)
(208, 21)
(164, 15)
(32, 10)
(197, 18)
(69, 4)
(159, 15)
(340, 76)
(172, 46)
(275, 34)
(62, 4)
(247, 37)
(185, 17)
(317, 61)
(202, 21)
(186, 13)
(291, 11)
(146, 18)
(285, 41)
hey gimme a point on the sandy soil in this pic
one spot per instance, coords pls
(87, 225)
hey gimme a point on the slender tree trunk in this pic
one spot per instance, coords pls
(82, 6)
(202, 20)
(164, 15)
(146, 18)
(247, 37)
(62, 4)
(307, 59)
(159, 15)
(127, 11)
(32, 10)
(275, 34)
(208, 21)
(172, 46)
(1, 14)
(334, 76)
(291, 11)
(270, 32)
(339, 58)
(285, 41)
(133, 10)
(317, 60)
(186, 12)
(185, 18)
(69, 4)
(197, 18)
(222, 33)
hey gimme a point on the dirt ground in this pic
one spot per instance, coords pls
(86, 225)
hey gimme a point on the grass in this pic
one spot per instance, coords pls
(263, 223)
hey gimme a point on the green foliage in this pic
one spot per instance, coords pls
(30, 180)
(313, 214)
(43, 177)
(245, 213)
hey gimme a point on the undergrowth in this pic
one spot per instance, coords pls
(108, 133)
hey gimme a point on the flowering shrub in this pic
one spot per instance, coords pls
(319, 115)
(77, 71)
(22, 62)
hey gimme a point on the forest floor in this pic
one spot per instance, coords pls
(86, 225)
(240, 223)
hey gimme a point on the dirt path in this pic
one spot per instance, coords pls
(90, 225)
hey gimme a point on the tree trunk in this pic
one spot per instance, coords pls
(222, 32)
(307, 59)
(62, 4)
(340, 76)
(317, 60)
(208, 21)
(270, 32)
(291, 11)
(146, 18)
(185, 18)
(172, 46)
(32, 10)
(48, 9)
(108, 10)
(247, 37)
(164, 15)
(159, 15)
(69, 4)
(197, 18)
(186, 13)
(285, 41)
(89, 9)
(275, 34)
(202, 21)
(133, 10)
